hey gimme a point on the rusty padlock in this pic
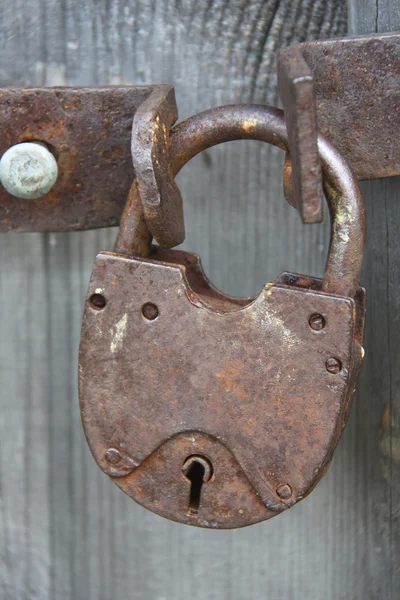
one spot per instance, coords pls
(210, 410)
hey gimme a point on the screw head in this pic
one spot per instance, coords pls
(284, 491)
(150, 311)
(28, 170)
(333, 365)
(317, 322)
(113, 456)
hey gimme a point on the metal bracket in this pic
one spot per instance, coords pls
(348, 89)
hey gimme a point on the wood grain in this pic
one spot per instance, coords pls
(66, 532)
(378, 401)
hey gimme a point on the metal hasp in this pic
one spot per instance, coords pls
(89, 132)
(159, 195)
(349, 90)
(209, 410)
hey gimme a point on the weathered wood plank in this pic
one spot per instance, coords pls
(378, 402)
(66, 531)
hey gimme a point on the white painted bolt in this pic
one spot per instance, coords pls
(28, 170)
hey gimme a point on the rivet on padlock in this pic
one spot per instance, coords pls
(222, 411)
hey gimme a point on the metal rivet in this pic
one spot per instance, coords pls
(333, 365)
(97, 301)
(28, 170)
(284, 491)
(113, 456)
(150, 311)
(317, 322)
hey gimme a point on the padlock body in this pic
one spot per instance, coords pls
(171, 368)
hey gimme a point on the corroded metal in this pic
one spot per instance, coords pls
(242, 383)
(348, 89)
(159, 194)
(345, 88)
(296, 88)
(249, 395)
(88, 130)
(264, 123)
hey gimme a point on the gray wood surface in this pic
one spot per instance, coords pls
(378, 402)
(66, 532)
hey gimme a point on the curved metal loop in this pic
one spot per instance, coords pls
(264, 123)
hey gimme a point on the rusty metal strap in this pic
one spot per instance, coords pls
(89, 131)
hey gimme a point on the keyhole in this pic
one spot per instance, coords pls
(195, 476)
(197, 470)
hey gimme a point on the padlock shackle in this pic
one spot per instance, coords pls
(267, 124)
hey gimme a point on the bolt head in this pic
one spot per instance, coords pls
(113, 456)
(28, 170)
(333, 365)
(284, 491)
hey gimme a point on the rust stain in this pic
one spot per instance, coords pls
(230, 380)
